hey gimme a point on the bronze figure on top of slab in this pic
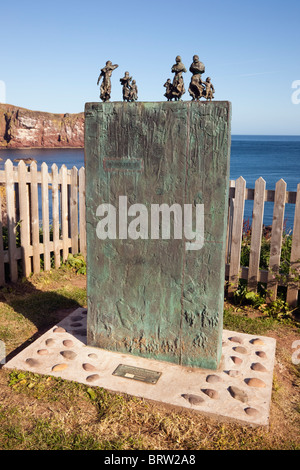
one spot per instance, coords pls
(199, 88)
(129, 90)
(105, 74)
(174, 90)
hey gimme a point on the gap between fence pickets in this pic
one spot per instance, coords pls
(68, 215)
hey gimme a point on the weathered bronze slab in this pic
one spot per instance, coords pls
(137, 373)
(151, 296)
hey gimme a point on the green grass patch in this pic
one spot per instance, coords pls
(253, 326)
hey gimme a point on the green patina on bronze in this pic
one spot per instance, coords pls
(153, 298)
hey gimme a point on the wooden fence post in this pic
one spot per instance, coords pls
(293, 287)
(64, 211)
(82, 217)
(24, 218)
(276, 239)
(74, 209)
(11, 220)
(35, 234)
(229, 221)
(45, 215)
(237, 232)
(256, 233)
(55, 215)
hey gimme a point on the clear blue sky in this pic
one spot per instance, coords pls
(52, 53)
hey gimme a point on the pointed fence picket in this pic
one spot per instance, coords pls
(45, 222)
(293, 287)
(256, 233)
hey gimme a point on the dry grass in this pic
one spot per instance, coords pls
(45, 413)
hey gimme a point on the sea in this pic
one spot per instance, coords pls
(252, 156)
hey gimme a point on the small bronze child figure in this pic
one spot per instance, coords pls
(209, 91)
(105, 87)
(168, 86)
(133, 94)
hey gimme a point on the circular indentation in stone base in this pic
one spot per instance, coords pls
(68, 354)
(93, 356)
(76, 324)
(211, 393)
(77, 318)
(212, 379)
(50, 342)
(257, 341)
(92, 378)
(261, 354)
(254, 382)
(238, 394)
(32, 362)
(59, 329)
(257, 366)
(88, 367)
(68, 343)
(236, 339)
(236, 360)
(193, 399)
(84, 312)
(81, 332)
(233, 373)
(240, 350)
(59, 367)
(43, 352)
(251, 411)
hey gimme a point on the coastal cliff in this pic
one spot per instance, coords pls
(23, 128)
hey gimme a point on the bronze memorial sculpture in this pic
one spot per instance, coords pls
(197, 87)
(176, 89)
(125, 81)
(129, 89)
(133, 95)
(105, 87)
(168, 86)
(209, 89)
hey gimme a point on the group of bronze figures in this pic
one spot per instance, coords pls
(130, 90)
(174, 90)
(197, 89)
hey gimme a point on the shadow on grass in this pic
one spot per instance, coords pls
(43, 308)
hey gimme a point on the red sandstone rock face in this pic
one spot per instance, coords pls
(20, 128)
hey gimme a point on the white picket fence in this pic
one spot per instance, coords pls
(48, 209)
(68, 232)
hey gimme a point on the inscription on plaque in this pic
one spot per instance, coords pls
(137, 373)
(122, 164)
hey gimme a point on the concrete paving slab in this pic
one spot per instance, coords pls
(240, 390)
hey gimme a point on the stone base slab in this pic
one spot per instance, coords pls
(240, 390)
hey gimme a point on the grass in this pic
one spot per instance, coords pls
(47, 413)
